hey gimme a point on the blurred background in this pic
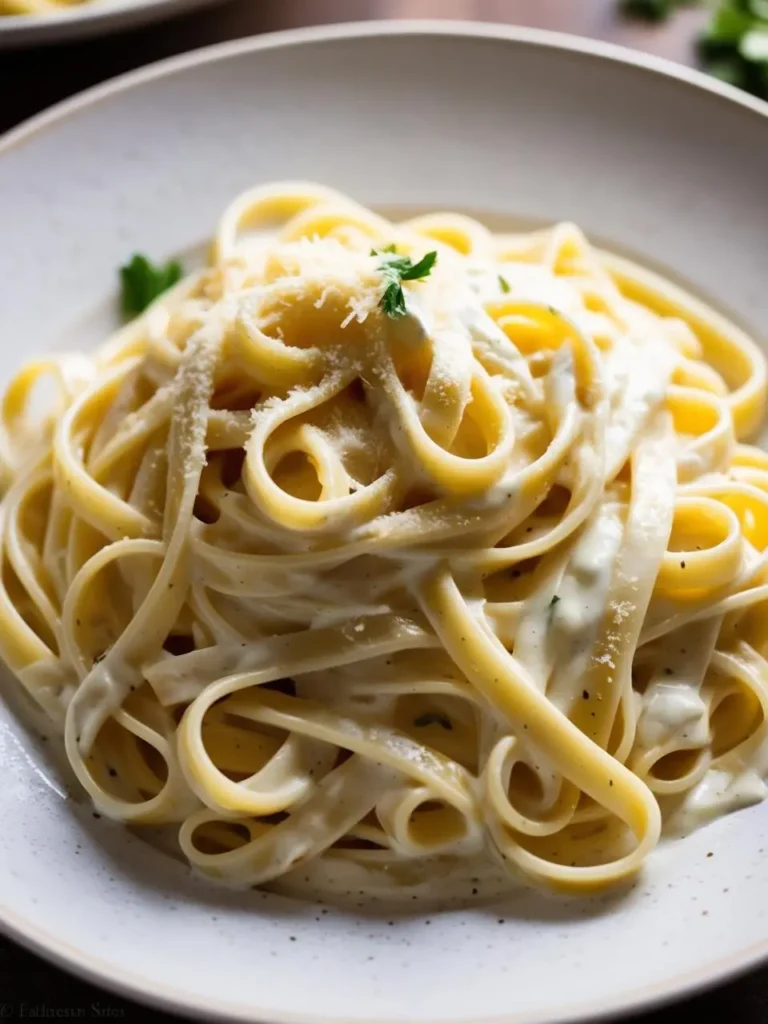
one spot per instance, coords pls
(728, 37)
(32, 79)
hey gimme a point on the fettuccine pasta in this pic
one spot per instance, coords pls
(391, 558)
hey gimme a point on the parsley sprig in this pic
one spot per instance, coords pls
(734, 45)
(142, 282)
(396, 269)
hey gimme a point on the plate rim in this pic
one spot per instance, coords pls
(595, 48)
(125, 983)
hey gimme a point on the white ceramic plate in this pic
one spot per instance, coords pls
(649, 158)
(96, 17)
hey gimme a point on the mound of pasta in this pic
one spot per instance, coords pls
(394, 558)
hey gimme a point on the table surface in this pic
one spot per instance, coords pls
(28, 986)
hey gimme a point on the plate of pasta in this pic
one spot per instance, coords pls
(29, 22)
(384, 541)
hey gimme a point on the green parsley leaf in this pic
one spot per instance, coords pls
(393, 300)
(421, 269)
(142, 282)
(432, 718)
(396, 266)
(396, 269)
(504, 285)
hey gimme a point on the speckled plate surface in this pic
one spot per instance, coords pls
(651, 159)
(95, 17)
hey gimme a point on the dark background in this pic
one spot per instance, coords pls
(31, 80)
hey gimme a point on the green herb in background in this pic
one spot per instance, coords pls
(734, 46)
(396, 269)
(651, 10)
(143, 281)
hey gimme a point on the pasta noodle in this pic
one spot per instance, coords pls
(395, 558)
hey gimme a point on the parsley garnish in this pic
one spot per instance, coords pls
(504, 285)
(551, 608)
(396, 269)
(143, 281)
(432, 718)
(423, 268)
(393, 300)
